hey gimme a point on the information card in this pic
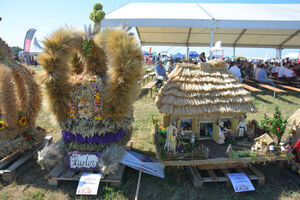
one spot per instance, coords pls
(88, 184)
(240, 182)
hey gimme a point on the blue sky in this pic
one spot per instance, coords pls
(46, 16)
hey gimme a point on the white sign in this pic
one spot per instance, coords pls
(144, 163)
(83, 160)
(240, 182)
(88, 184)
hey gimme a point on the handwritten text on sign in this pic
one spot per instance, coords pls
(83, 160)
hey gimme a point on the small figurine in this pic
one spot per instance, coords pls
(229, 149)
(221, 133)
(242, 127)
(181, 133)
(193, 138)
(171, 141)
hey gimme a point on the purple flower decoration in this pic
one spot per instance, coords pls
(99, 139)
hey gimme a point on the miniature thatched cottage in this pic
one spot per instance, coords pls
(197, 98)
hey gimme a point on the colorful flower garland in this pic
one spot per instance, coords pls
(99, 139)
(82, 104)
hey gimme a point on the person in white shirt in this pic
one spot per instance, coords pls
(290, 75)
(236, 70)
(170, 65)
(202, 57)
(277, 69)
(281, 71)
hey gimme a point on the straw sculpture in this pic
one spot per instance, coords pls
(192, 90)
(294, 126)
(90, 83)
(20, 101)
(76, 64)
(294, 119)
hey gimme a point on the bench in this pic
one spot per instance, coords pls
(274, 89)
(144, 78)
(149, 86)
(290, 88)
(152, 74)
(251, 89)
(249, 80)
(149, 69)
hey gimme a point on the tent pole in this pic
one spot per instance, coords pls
(187, 53)
(278, 53)
(212, 30)
(233, 52)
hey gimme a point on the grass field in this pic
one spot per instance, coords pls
(176, 185)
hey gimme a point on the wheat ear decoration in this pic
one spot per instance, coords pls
(21, 90)
(8, 101)
(34, 96)
(125, 69)
(55, 60)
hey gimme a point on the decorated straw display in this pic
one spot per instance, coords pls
(90, 83)
(205, 94)
(20, 101)
(192, 90)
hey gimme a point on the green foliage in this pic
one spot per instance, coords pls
(277, 125)
(111, 193)
(38, 195)
(98, 6)
(87, 47)
(16, 50)
(98, 14)
(243, 153)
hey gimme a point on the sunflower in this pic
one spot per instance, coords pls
(2, 125)
(97, 118)
(23, 121)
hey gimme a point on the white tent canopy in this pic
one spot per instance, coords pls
(292, 55)
(198, 24)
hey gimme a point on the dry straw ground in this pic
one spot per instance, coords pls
(176, 185)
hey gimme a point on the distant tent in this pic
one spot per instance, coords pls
(36, 48)
(193, 54)
(292, 55)
(178, 55)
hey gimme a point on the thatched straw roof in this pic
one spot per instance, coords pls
(201, 89)
(294, 120)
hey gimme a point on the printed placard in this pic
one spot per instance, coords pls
(144, 163)
(88, 184)
(83, 160)
(240, 182)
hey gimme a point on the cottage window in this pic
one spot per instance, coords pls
(206, 129)
(227, 123)
(186, 124)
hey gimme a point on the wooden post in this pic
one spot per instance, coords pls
(138, 185)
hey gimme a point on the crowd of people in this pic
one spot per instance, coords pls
(26, 59)
(283, 70)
